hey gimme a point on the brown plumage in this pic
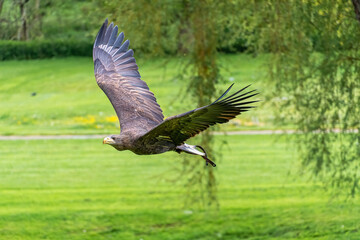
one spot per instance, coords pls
(142, 124)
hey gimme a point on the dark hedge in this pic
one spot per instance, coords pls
(43, 49)
(36, 49)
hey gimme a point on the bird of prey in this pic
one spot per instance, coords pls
(143, 129)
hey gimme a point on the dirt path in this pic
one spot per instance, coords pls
(51, 137)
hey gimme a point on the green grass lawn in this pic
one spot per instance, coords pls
(81, 189)
(60, 96)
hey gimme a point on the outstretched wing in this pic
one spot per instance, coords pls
(116, 73)
(179, 128)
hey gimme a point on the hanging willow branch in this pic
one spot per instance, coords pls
(204, 75)
(314, 46)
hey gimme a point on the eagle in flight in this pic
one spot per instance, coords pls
(143, 127)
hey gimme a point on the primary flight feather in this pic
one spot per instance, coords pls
(142, 124)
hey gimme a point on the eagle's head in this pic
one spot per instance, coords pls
(115, 141)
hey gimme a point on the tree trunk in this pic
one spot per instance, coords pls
(38, 18)
(23, 33)
(1, 5)
(356, 4)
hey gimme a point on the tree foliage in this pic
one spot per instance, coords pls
(315, 70)
(46, 19)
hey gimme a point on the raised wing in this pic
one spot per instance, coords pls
(181, 127)
(116, 73)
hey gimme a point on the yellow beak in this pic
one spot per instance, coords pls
(108, 140)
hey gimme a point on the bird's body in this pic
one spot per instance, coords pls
(136, 144)
(143, 128)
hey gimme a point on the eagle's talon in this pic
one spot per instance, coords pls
(211, 162)
(205, 157)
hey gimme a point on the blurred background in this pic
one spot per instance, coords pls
(57, 181)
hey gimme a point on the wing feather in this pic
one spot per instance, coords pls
(117, 74)
(186, 125)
